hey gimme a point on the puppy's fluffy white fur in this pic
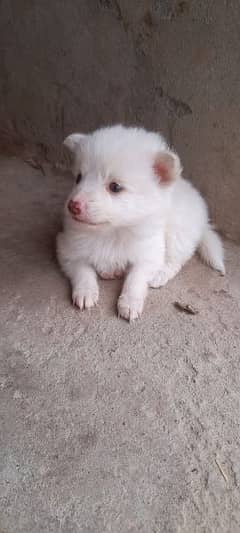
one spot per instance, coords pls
(146, 227)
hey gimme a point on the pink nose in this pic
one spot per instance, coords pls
(74, 207)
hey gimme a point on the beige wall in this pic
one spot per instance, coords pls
(172, 65)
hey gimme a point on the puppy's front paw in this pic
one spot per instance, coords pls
(130, 308)
(86, 297)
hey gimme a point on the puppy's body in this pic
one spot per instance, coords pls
(144, 231)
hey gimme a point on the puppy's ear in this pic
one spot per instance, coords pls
(167, 167)
(73, 141)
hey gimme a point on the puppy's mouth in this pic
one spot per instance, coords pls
(87, 222)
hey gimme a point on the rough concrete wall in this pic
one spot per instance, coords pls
(171, 65)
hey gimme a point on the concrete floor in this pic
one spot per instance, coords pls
(106, 426)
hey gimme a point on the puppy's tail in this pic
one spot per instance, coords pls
(211, 249)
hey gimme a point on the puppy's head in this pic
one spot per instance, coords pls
(122, 176)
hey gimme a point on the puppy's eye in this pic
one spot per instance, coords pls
(115, 187)
(79, 177)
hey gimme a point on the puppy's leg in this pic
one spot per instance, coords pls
(84, 286)
(131, 300)
(135, 287)
(168, 272)
(82, 276)
(176, 256)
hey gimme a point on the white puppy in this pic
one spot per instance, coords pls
(130, 213)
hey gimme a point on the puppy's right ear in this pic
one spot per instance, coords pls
(167, 167)
(73, 141)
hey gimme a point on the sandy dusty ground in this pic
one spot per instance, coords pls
(106, 426)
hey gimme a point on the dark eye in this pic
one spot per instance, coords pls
(115, 187)
(79, 177)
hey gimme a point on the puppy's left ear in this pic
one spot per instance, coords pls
(167, 167)
(73, 141)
